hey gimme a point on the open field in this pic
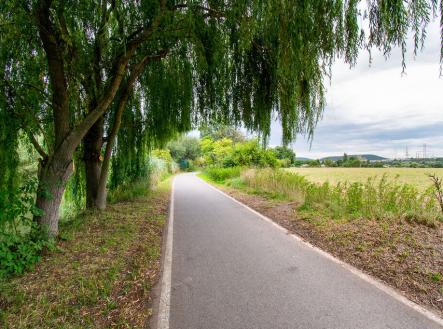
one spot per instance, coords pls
(414, 176)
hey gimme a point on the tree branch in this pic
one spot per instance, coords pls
(125, 93)
(51, 45)
(36, 144)
(119, 69)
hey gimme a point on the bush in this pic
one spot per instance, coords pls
(222, 174)
(21, 239)
(250, 153)
(285, 155)
(161, 164)
(225, 153)
(19, 253)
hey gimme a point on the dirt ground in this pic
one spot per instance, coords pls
(406, 256)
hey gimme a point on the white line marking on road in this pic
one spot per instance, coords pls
(375, 282)
(164, 307)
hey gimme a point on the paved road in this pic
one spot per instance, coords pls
(233, 270)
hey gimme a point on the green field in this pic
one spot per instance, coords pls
(415, 176)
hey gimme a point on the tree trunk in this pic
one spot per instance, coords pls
(92, 144)
(53, 175)
(57, 167)
(126, 91)
(102, 192)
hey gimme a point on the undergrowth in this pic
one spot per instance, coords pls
(377, 198)
(100, 275)
(220, 175)
(21, 239)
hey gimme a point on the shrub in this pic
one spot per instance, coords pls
(222, 174)
(185, 148)
(19, 253)
(250, 153)
(224, 153)
(285, 155)
(21, 239)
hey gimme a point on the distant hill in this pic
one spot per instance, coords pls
(370, 157)
(302, 159)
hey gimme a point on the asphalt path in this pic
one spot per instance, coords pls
(232, 269)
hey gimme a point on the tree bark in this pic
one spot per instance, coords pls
(92, 146)
(100, 201)
(52, 177)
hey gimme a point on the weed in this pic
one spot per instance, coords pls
(402, 256)
(436, 277)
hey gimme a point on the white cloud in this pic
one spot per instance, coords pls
(377, 110)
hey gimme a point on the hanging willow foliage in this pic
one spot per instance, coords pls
(9, 159)
(243, 61)
(160, 107)
(130, 161)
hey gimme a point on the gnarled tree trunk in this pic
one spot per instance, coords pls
(53, 175)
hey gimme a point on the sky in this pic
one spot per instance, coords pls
(375, 109)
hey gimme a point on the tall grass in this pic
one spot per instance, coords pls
(221, 174)
(158, 170)
(376, 198)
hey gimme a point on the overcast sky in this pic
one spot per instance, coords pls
(374, 109)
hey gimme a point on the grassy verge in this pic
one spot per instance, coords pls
(101, 274)
(404, 251)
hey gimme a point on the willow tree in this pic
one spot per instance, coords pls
(67, 65)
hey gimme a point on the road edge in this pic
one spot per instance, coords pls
(369, 279)
(161, 320)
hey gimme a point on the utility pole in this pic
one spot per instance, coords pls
(424, 151)
(406, 153)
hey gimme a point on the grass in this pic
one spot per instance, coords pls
(220, 175)
(437, 277)
(414, 176)
(376, 198)
(101, 274)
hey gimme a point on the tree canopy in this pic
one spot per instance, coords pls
(111, 78)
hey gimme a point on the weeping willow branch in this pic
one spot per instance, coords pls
(36, 144)
(112, 135)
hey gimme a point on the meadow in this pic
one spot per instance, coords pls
(414, 176)
(345, 192)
